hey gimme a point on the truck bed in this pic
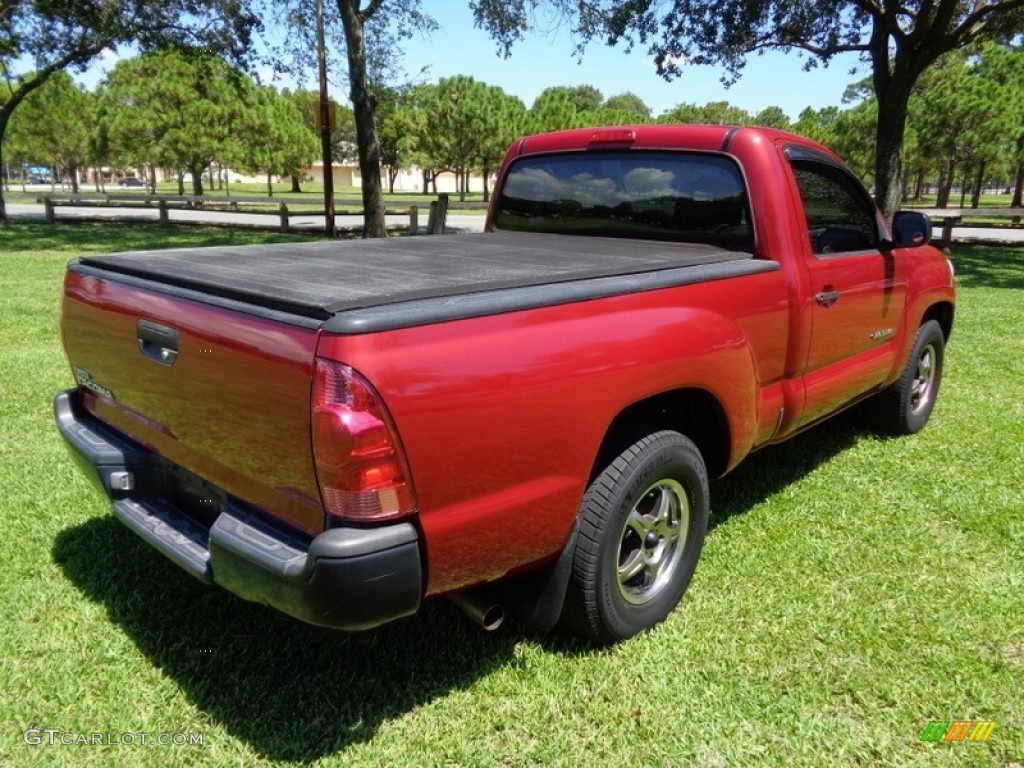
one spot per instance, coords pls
(320, 280)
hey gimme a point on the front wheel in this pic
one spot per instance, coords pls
(905, 407)
(642, 526)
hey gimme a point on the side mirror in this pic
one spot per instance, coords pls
(911, 229)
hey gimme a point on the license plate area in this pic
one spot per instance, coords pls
(198, 498)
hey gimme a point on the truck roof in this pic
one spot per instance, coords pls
(654, 136)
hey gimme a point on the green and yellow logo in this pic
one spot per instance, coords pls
(958, 730)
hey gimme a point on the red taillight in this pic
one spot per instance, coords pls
(359, 462)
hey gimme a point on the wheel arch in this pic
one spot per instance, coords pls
(693, 412)
(942, 312)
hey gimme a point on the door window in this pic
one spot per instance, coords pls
(840, 217)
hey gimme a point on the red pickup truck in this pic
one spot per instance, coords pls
(529, 415)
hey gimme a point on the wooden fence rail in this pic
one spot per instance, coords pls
(947, 219)
(944, 219)
(262, 206)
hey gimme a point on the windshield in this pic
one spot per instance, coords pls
(682, 196)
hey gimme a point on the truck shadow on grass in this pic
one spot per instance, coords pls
(291, 691)
(295, 692)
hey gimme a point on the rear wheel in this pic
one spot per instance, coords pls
(642, 526)
(906, 406)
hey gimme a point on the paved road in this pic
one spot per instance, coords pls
(987, 235)
(457, 223)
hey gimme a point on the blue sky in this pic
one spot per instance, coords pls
(546, 59)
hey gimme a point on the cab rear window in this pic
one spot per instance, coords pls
(686, 197)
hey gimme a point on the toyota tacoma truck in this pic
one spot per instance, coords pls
(523, 419)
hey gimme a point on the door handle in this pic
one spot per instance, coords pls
(157, 342)
(827, 298)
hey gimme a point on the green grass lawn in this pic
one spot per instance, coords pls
(985, 201)
(853, 588)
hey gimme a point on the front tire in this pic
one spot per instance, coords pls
(906, 406)
(642, 526)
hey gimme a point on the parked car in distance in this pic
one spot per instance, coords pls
(131, 182)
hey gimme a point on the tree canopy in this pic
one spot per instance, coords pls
(53, 126)
(178, 110)
(275, 137)
(56, 36)
(459, 125)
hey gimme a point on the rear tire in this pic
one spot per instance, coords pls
(642, 526)
(906, 406)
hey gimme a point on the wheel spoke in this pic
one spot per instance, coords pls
(638, 523)
(667, 525)
(634, 566)
(924, 365)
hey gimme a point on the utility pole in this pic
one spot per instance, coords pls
(326, 123)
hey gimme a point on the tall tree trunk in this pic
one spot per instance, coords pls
(893, 98)
(893, 81)
(197, 180)
(978, 180)
(364, 108)
(1018, 189)
(295, 184)
(270, 185)
(5, 115)
(946, 182)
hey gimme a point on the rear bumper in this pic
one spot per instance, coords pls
(345, 578)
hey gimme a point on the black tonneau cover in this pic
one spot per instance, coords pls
(318, 280)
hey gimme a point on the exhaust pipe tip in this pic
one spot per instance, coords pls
(481, 608)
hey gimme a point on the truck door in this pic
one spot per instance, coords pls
(857, 291)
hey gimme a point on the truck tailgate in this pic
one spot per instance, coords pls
(221, 392)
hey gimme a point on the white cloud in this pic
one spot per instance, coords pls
(107, 59)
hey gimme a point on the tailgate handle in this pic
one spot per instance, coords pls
(157, 342)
